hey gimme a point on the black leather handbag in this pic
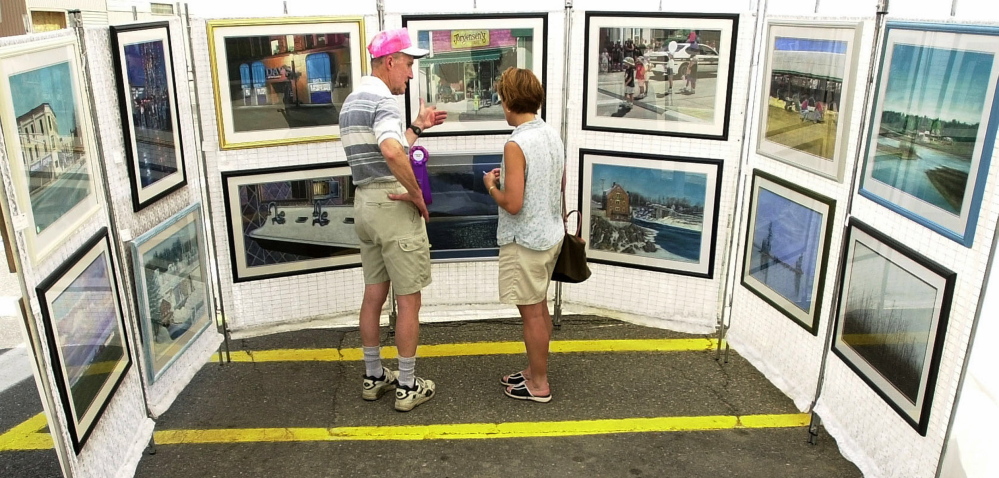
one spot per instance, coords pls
(571, 263)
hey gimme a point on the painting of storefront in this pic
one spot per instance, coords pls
(464, 65)
(307, 77)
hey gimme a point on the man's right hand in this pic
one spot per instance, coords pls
(417, 201)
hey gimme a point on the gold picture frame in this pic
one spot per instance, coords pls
(290, 72)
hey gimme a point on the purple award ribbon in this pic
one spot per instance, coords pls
(418, 157)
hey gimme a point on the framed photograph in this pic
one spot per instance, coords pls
(657, 213)
(892, 319)
(468, 53)
(49, 139)
(147, 99)
(84, 327)
(463, 217)
(787, 247)
(171, 281)
(933, 125)
(807, 95)
(288, 221)
(283, 80)
(659, 73)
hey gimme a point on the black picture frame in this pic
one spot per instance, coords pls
(72, 283)
(508, 22)
(921, 287)
(720, 55)
(463, 216)
(292, 254)
(670, 244)
(804, 221)
(152, 40)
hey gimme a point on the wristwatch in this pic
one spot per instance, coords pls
(416, 129)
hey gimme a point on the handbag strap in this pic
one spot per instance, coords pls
(579, 222)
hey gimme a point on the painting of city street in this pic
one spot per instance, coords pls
(147, 101)
(83, 327)
(650, 212)
(931, 133)
(468, 53)
(808, 87)
(665, 74)
(281, 81)
(171, 281)
(46, 110)
(292, 220)
(892, 320)
(787, 248)
(463, 216)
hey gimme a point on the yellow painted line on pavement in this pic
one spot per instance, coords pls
(26, 436)
(472, 431)
(474, 348)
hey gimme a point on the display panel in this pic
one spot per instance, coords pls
(171, 283)
(49, 140)
(468, 53)
(787, 248)
(287, 221)
(666, 74)
(147, 99)
(650, 212)
(283, 80)
(83, 324)
(892, 320)
(932, 128)
(807, 95)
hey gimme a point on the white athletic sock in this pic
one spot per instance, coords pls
(407, 371)
(372, 361)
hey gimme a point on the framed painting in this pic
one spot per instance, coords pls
(807, 95)
(463, 217)
(169, 265)
(84, 327)
(892, 319)
(787, 247)
(288, 221)
(147, 99)
(657, 213)
(659, 73)
(933, 125)
(283, 80)
(468, 53)
(49, 138)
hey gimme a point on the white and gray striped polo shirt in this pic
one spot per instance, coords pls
(370, 115)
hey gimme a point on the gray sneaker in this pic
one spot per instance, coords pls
(374, 388)
(407, 398)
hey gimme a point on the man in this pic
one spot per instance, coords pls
(390, 213)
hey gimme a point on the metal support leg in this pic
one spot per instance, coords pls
(393, 315)
(813, 429)
(557, 317)
(151, 448)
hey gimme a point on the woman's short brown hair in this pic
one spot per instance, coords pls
(520, 90)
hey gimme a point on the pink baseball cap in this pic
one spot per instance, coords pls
(391, 41)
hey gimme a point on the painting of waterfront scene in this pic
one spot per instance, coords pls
(279, 81)
(787, 248)
(929, 145)
(463, 216)
(809, 90)
(467, 56)
(287, 221)
(169, 264)
(46, 110)
(650, 212)
(892, 320)
(666, 74)
(83, 326)
(144, 69)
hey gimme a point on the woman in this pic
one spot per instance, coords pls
(527, 189)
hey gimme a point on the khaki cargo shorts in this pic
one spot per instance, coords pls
(394, 244)
(524, 274)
